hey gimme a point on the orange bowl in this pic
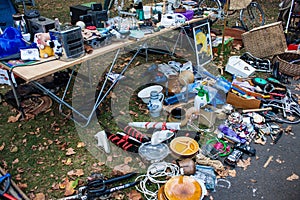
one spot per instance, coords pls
(182, 188)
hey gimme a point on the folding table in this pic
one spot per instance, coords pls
(31, 73)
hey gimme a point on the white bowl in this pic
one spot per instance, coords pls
(144, 94)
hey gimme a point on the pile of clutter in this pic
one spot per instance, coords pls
(212, 123)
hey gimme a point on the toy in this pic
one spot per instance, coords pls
(57, 48)
(44, 44)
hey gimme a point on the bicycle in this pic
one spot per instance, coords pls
(251, 16)
(289, 14)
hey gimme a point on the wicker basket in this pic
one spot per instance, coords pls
(265, 41)
(238, 4)
(285, 65)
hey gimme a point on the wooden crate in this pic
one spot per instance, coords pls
(265, 41)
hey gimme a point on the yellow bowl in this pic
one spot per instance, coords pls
(184, 146)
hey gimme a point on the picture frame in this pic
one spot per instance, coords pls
(203, 44)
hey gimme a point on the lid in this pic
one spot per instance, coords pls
(182, 188)
(153, 153)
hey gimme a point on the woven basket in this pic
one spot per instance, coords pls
(238, 4)
(285, 65)
(265, 41)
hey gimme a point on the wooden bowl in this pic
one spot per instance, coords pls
(182, 188)
(184, 147)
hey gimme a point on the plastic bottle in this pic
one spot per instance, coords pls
(201, 99)
(57, 24)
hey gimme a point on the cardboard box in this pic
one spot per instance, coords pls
(238, 67)
(265, 41)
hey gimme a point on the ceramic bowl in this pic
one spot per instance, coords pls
(144, 94)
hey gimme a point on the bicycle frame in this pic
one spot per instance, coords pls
(286, 105)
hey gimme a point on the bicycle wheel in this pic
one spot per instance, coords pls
(252, 16)
(213, 6)
(108, 4)
(284, 9)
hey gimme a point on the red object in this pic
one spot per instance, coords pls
(293, 46)
(91, 28)
(7, 196)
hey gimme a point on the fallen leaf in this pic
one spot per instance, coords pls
(134, 195)
(293, 177)
(122, 112)
(39, 196)
(260, 141)
(15, 161)
(279, 161)
(55, 186)
(112, 95)
(70, 151)
(13, 149)
(118, 196)
(69, 189)
(291, 118)
(133, 113)
(288, 129)
(80, 144)
(127, 160)
(109, 158)
(18, 177)
(122, 169)
(232, 172)
(2, 146)
(68, 161)
(22, 186)
(244, 163)
(13, 119)
(76, 172)
(253, 180)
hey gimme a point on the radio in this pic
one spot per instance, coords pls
(40, 25)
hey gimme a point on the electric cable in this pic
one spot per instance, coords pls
(157, 173)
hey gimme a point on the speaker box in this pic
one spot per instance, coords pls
(71, 39)
(77, 11)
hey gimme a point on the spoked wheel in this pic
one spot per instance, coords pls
(211, 5)
(252, 16)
